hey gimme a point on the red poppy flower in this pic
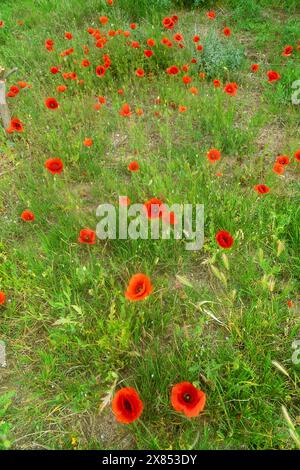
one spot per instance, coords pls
(54, 165)
(273, 76)
(140, 73)
(211, 15)
(125, 110)
(132, 26)
(100, 70)
(202, 75)
(2, 298)
(217, 83)
(23, 85)
(288, 50)
(297, 155)
(279, 169)
(186, 79)
(168, 23)
(227, 32)
(61, 88)
(2, 24)
(150, 42)
(103, 19)
(15, 126)
(196, 38)
(127, 405)
(110, 2)
(13, 91)
(51, 103)
(133, 166)
(213, 155)
(231, 88)
(173, 70)
(85, 63)
(261, 188)
(49, 43)
(154, 208)
(290, 304)
(88, 142)
(182, 109)
(148, 53)
(194, 90)
(187, 399)
(224, 239)
(87, 236)
(283, 160)
(254, 67)
(27, 216)
(199, 47)
(68, 35)
(139, 287)
(178, 37)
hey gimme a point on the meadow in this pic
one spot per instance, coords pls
(187, 102)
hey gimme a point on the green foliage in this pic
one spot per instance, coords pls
(221, 56)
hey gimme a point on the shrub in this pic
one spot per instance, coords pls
(220, 56)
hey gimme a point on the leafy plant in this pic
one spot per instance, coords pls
(220, 56)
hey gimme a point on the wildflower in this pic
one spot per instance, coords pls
(297, 155)
(273, 76)
(288, 50)
(125, 110)
(173, 70)
(154, 208)
(211, 15)
(187, 399)
(61, 88)
(213, 155)
(283, 160)
(27, 216)
(2, 298)
(54, 165)
(100, 70)
(231, 88)
(133, 166)
(261, 189)
(168, 23)
(139, 287)
(140, 73)
(148, 53)
(150, 42)
(127, 405)
(87, 236)
(88, 142)
(279, 169)
(224, 239)
(51, 103)
(103, 20)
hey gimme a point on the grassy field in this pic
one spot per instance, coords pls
(224, 320)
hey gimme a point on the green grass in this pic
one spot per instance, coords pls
(70, 334)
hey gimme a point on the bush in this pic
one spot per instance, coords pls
(220, 56)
